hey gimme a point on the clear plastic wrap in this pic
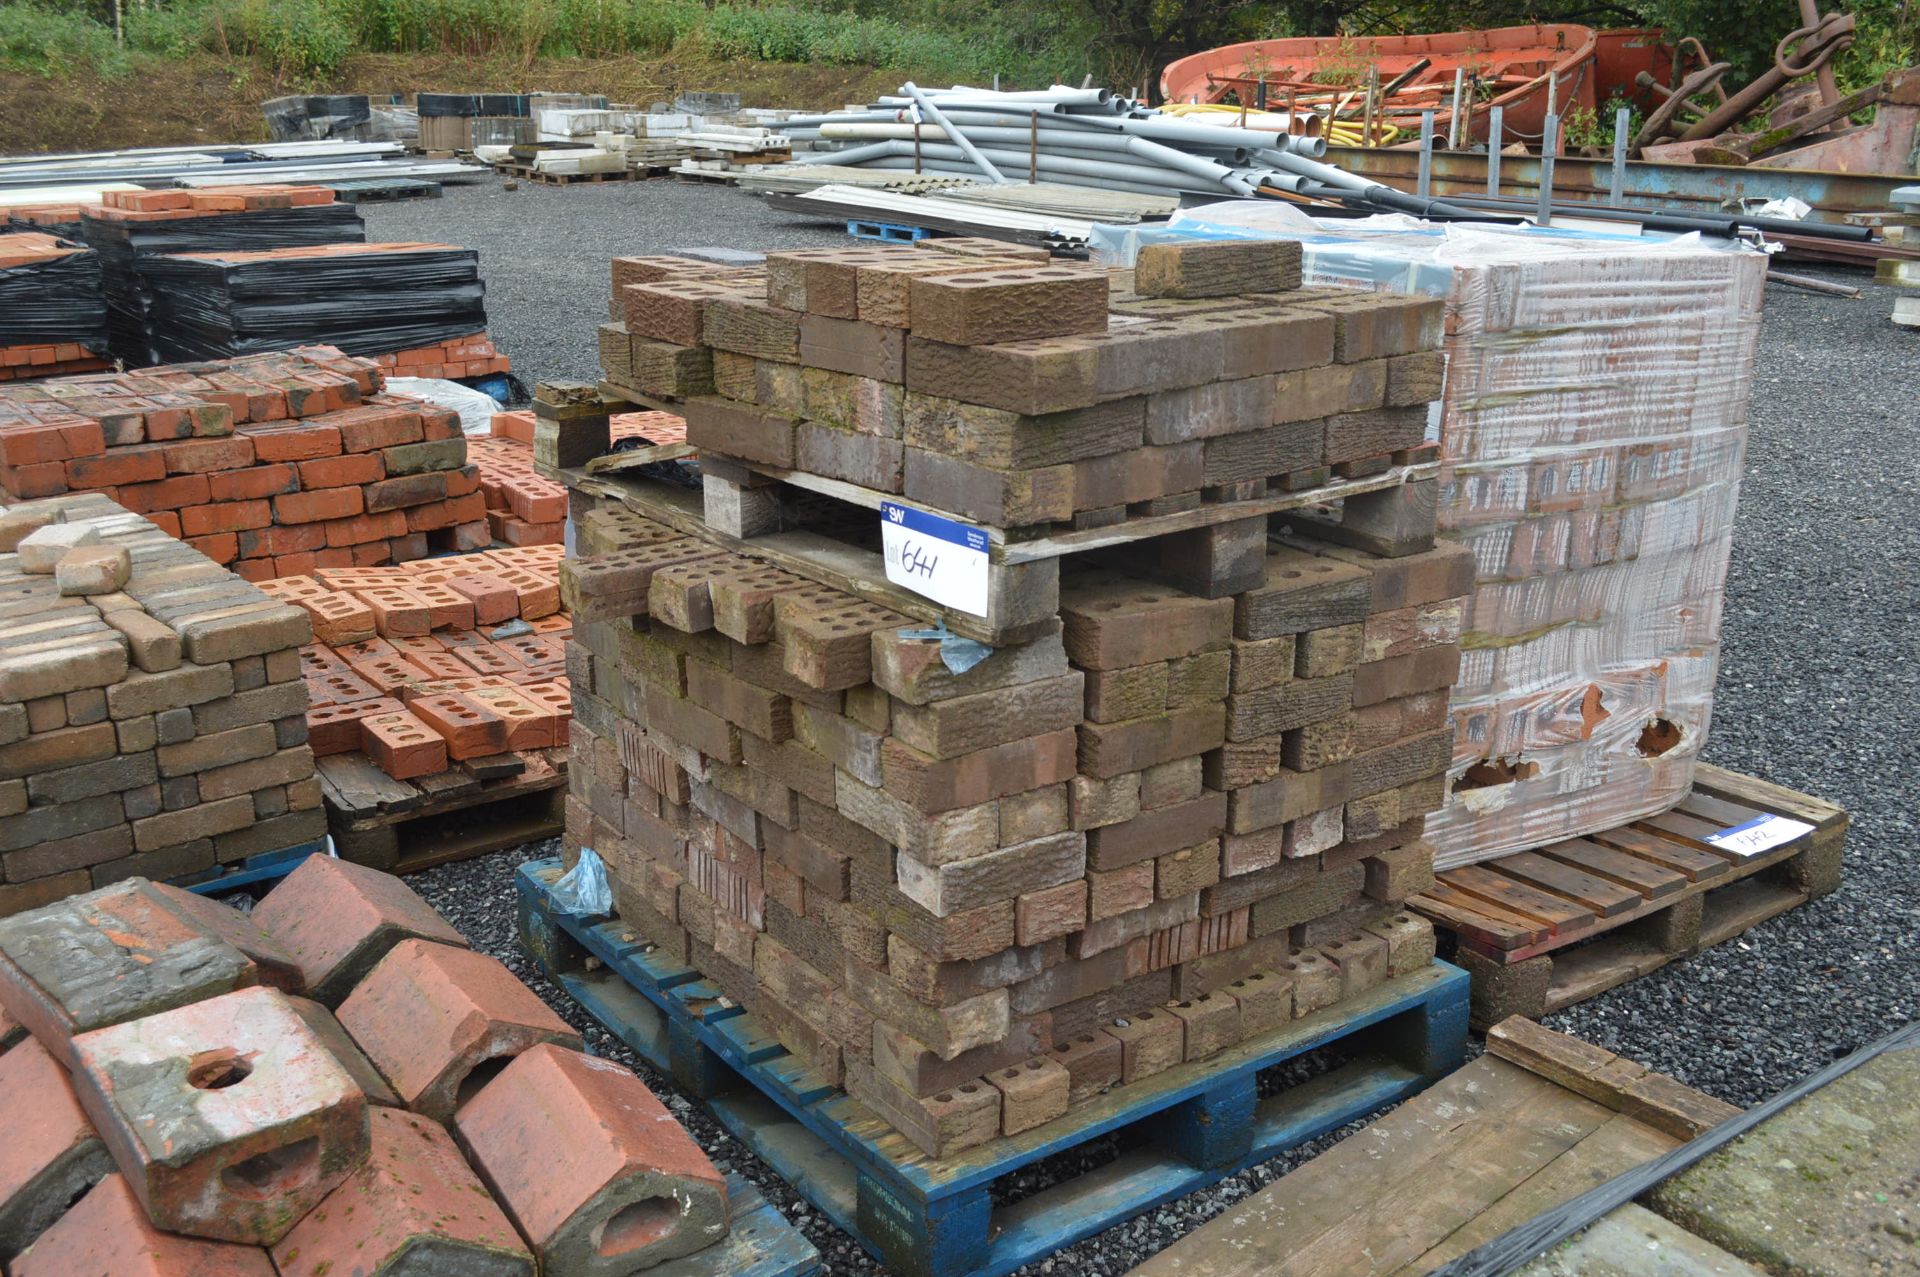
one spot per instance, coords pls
(1593, 429)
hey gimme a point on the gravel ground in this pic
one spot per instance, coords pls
(1816, 691)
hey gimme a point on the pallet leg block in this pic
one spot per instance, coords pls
(1212, 1130)
(944, 1238)
(1215, 561)
(695, 1068)
(739, 509)
(1501, 990)
(1675, 929)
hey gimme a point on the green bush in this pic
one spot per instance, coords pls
(40, 40)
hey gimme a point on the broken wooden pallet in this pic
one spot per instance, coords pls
(1525, 1128)
(1541, 930)
(474, 807)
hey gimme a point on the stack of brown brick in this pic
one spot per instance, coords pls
(526, 508)
(1018, 394)
(344, 1086)
(975, 899)
(156, 726)
(273, 464)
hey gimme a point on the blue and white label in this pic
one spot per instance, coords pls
(935, 557)
(1762, 833)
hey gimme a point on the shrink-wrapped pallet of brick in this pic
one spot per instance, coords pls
(1593, 436)
(1178, 801)
(151, 705)
(271, 464)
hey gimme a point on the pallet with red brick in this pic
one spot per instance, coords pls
(468, 810)
(1541, 930)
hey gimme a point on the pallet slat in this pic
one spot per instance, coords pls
(1651, 891)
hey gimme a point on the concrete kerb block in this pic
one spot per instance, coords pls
(229, 1118)
(598, 1175)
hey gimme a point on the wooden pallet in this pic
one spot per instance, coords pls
(473, 808)
(256, 874)
(759, 1243)
(1525, 1128)
(887, 232)
(723, 177)
(1196, 550)
(1542, 930)
(1185, 1128)
(532, 174)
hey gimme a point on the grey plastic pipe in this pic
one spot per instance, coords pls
(959, 138)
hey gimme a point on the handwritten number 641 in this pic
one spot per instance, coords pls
(915, 559)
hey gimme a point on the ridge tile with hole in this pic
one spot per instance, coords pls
(338, 919)
(49, 1154)
(439, 1022)
(112, 955)
(416, 1209)
(597, 1174)
(108, 1232)
(229, 1117)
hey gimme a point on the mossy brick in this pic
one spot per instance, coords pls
(1050, 374)
(70, 968)
(998, 498)
(1009, 304)
(1010, 441)
(89, 780)
(1112, 749)
(247, 630)
(930, 785)
(963, 724)
(41, 825)
(51, 1155)
(302, 825)
(152, 644)
(1217, 268)
(912, 670)
(280, 768)
(1303, 592)
(229, 1117)
(418, 458)
(736, 430)
(438, 1022)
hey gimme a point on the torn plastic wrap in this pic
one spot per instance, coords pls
(1593, 429)
(50, 293)
(122, 243)
(363, 298)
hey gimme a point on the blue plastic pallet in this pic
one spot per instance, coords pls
(926, 1218)
(268, 866)
(887, 232)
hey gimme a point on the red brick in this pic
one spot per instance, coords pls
(262, 1122)
(227, 516)
(50, 1152)
(343, 471)
(374, 428)
(254, 570)
(166, 520)
(168, 494)
(402, 746)
(221, 547)
(252, 484)
(201, 456)
(142, 464)
(44, 479)
(362, 529)
(415, 1194)
(311, 507)
(107, 1232)
(337, 920)
(295, 442)
(493, 600)
(438, 1021)
(637, 1190)
(470, 730)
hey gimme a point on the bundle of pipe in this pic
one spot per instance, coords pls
(1084, 137)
